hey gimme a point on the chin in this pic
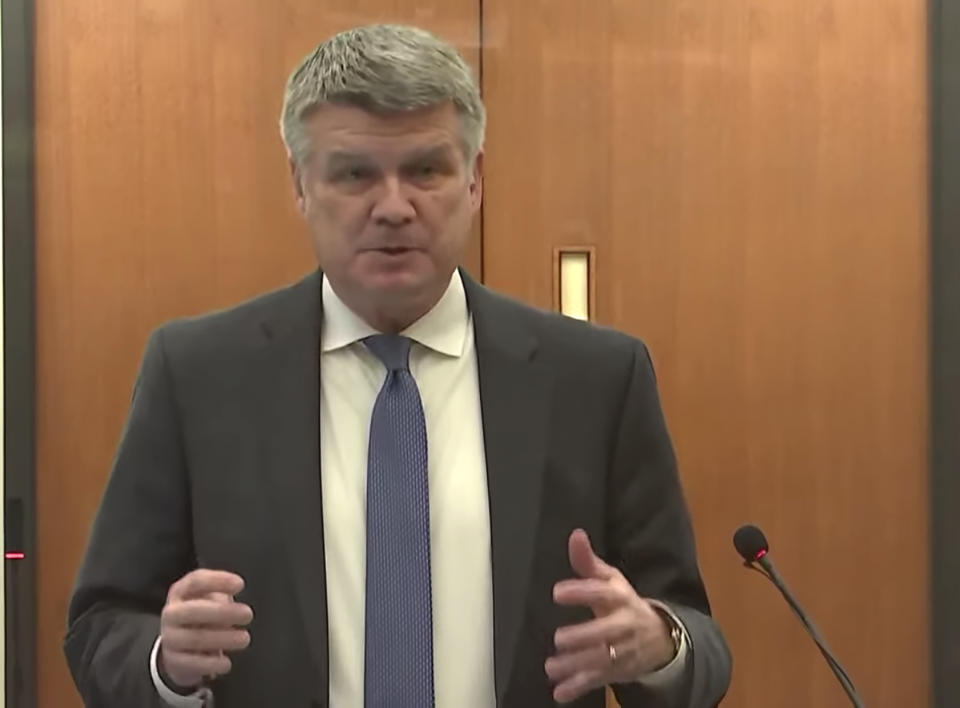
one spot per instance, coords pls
(398, 282)
(402, 273)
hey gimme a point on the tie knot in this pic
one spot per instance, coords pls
(392, 349)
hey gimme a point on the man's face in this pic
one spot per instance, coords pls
(389, 201)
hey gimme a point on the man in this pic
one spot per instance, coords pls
(387, 485)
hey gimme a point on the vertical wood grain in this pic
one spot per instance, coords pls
(162, 191)
(753, 176)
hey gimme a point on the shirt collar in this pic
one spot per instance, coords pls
(443, 329)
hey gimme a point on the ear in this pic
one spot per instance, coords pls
(476, 181)
(296, 179)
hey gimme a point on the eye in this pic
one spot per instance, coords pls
(355, 174)
(423, 170)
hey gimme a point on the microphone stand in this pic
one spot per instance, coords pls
(771, 574)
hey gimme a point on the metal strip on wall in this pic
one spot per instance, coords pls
(16, 42)
(944, 41)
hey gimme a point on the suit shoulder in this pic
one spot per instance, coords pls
(560, 333)
(233, 327)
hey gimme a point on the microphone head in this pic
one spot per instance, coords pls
(750, 543)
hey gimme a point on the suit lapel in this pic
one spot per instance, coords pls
(290, 428)
(515, 393)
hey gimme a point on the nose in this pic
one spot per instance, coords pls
(393, 207)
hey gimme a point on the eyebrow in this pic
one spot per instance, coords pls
(434, 152)
(339, 158)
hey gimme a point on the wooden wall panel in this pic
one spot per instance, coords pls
(753, 178)
(162, 191)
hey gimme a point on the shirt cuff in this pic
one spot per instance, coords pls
(674, 671)
(201, 698)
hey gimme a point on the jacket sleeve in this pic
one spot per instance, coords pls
(140, 544)
(650, 539)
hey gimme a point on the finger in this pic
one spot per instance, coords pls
(577, 686)
(566, 665)
(205, 640)
(588, 591)
(203, 581)
(206, 613)
(583, 560)
(194, 667)
(608, 629)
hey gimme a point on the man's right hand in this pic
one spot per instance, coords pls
(199, 623)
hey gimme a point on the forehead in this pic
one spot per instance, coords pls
(333, 127)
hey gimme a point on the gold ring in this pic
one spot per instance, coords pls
(613, 653)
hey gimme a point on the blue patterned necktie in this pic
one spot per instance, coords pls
(398, 661)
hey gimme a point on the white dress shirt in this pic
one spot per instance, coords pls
(444, 365)
(443, 362)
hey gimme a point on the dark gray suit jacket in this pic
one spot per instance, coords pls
(219, 467)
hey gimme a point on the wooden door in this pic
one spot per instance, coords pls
(162, 191)
(752, 177)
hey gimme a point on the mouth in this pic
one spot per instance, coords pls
(393, 250)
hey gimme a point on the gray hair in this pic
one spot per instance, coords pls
(383, 69)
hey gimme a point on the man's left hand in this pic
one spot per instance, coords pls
(627, 639)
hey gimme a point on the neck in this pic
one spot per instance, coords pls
(390, 322)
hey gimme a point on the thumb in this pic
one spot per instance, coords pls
(583, 560)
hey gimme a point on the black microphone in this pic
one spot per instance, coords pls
(752, 546)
